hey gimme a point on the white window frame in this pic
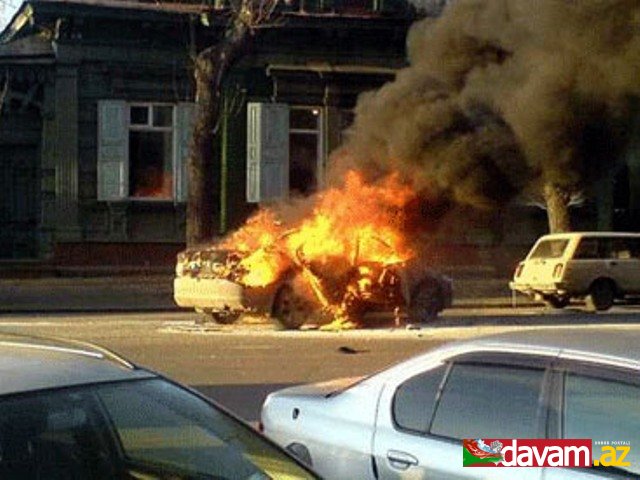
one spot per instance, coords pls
(149, 127)
(113, 150)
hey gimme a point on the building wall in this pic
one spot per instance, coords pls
(338, 63)
(143, 62)
(301, 65)
(126, 220)
(21, 232)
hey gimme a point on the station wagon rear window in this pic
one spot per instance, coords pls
(550, 249)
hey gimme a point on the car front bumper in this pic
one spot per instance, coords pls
(539, 289)
(208, 293)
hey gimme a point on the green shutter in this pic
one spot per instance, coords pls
(113, 145)
(185, 117)
(267, 152)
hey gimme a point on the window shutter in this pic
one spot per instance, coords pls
(185, 117)
(113, 146)
(267, 152)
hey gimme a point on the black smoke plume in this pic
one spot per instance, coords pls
(501, 96)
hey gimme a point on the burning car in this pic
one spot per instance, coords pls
(344, 256)
(225, 283)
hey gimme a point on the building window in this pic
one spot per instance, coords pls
(306, 156)
(142, 150)
(151, 151)
(277, 168)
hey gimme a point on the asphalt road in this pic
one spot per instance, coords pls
(155, 293)
(239, 365)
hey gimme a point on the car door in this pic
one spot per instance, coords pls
(602, 404)
(589, 263)
(624, 264)
(423, 419)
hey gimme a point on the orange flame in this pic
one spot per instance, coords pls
(154, 183)
(358, 222)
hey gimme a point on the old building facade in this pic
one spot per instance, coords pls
(96, 122)
(97, 116)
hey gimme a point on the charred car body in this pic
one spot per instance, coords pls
(215, 282)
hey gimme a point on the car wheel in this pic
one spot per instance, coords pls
(554, 301)
(289, 308)
(221, 317)
(225, 318)
(426, 302)
(601, 295)
(354, 307)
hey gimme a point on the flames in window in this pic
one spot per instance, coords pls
(154, 183)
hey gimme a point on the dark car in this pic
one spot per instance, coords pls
(70, 410)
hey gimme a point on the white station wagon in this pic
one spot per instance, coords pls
(408, 422)
(596, 266)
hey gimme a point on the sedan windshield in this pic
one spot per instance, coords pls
(136, 429)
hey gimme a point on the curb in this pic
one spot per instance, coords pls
(72, 310)
(476, 304)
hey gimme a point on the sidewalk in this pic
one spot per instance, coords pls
(486, 292)
(80, 294)
(154, 292)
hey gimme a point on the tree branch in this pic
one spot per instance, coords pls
(5, 91)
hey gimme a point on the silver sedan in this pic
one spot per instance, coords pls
(408, 422)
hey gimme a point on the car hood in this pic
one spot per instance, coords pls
(209, 263)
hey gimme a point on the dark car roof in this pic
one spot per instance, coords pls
(31, 363)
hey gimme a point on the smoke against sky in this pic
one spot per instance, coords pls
(7, 10)
(500, 95)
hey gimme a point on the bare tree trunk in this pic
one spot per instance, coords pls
(3, 93)
(211, 67)
(557, 199)
(604, 190)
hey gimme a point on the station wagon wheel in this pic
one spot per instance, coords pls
(289, 308)
(601, 295)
